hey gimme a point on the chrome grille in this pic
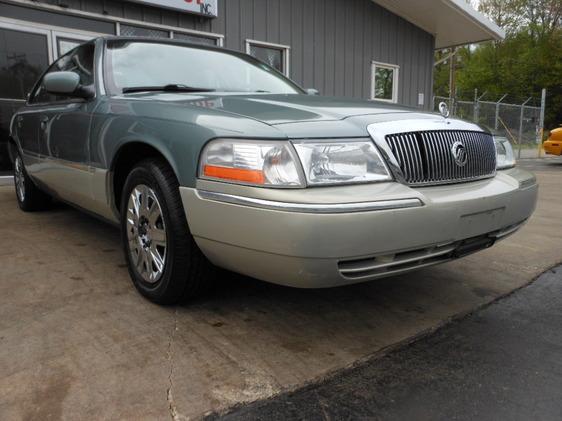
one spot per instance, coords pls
(426, 157)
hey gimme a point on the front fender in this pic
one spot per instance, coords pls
(179, 135)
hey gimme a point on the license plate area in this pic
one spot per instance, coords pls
(476, 224)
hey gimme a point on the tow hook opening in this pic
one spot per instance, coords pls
(473, 245)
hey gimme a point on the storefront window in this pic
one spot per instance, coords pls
(195, 39)
(141, 31)
(23, 57)
(273, 55)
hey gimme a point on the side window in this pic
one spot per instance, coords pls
(80, 61)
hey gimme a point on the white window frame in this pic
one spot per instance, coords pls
(218, 38)
(32, 28)
(116, 21)
(171, 30)
(395, 80)
(286, 50)
(51, 34)
(80, 36)
(50, 31)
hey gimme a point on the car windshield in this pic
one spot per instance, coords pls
(134, 64)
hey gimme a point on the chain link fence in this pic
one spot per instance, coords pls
(520, 123)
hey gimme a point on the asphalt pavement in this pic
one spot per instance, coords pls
(503, 362)
(78, 342)
(547, 163)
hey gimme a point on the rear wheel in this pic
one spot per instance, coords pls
(164, 262)
(30, 198)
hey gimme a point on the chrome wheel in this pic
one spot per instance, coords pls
(19, 178)
(146, 233)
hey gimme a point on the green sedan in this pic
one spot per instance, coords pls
(210, 158)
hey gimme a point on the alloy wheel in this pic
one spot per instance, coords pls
(19, 178)
(146, 233)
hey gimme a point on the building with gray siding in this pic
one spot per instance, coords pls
(375, 50)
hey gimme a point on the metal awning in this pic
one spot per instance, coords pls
(452, 22)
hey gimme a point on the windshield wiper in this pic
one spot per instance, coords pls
(173, 87)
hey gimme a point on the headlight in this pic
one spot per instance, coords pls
(259, 163)
(341, 162)
(505, 157)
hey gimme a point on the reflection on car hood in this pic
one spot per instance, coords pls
(277, 109)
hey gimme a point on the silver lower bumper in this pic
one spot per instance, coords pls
(306, 249)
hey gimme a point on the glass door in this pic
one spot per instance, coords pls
(24, 54)
(26, 50)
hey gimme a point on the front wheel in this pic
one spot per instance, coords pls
(29, 197)
(164, 262)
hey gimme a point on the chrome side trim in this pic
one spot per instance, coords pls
(506, 232)
(311, 207)
(348, 268)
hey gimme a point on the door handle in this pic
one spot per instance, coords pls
(44, 121)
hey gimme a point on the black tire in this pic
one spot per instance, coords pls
(30, 197)
(186, 271)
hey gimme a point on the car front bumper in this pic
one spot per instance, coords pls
(552, 147)
(330, 236)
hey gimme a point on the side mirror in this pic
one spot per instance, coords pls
(311, 91)
(66, 83)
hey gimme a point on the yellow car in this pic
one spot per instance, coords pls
(553, 145)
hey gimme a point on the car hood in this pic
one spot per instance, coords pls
(277, 109)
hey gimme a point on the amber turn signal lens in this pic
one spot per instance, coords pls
(264, 163)
(235, 174)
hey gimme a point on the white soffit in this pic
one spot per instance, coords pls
(452, 22)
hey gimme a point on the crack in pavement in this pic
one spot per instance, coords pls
(169, 394)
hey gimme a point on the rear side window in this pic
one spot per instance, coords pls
(80, 61)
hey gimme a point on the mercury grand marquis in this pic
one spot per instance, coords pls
(210, 158)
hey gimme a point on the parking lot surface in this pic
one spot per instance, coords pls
(78, 342)
(499, 363)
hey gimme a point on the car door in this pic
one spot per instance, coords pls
(64, 130)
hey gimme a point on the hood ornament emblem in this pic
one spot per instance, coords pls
(444, 109)
(459, 153)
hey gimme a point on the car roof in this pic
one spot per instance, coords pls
(106, 38)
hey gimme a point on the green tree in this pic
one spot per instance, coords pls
(529, 59)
